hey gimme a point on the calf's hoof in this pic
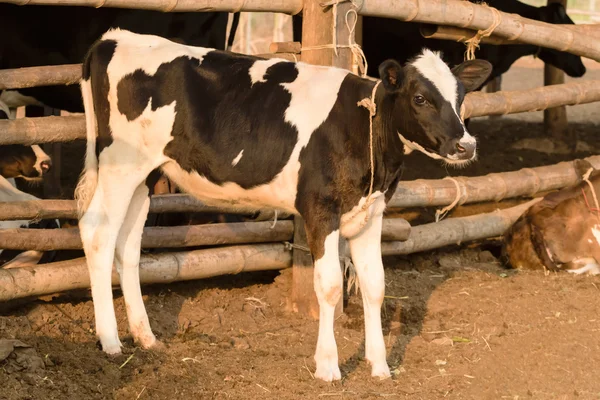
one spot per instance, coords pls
(328, 371)
(111, 348)
(380, 370)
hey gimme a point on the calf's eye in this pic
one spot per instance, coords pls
(420, 100)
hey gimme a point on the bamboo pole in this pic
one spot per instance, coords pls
(478, 104)
(457, 34)
(30, 131)
(417, 193)
(285, 47)
(478, 17)
(491, 187)
(155, 237)
(51, 75)
(283, 6)
(284, 56)
(68, 74)
(180, 236)
(156, 268)
(61, 129)
(457, 230)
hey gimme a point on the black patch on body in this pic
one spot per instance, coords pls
(96, 65)
(219, 114)
(335, 165)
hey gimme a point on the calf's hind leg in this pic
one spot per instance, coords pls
(127, 259)
(99, 227)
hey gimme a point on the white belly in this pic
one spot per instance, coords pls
(279, 194)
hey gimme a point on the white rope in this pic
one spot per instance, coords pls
(359, 61)
(473, 43)
(586, 178)
(440, 214)
(369, 104)
(275, 220)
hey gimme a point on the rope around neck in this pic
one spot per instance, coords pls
(369, 104)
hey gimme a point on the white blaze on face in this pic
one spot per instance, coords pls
(432, 67)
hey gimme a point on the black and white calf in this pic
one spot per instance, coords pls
(257, 133)
(30, 163)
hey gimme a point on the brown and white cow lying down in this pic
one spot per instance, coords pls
(256, 133)
(561, 232)
(30, 163)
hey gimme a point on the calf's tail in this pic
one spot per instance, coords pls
(89, 176)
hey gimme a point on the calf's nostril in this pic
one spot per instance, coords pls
(460, 148)
(45, 165)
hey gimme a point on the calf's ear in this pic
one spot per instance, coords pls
(472, 73)
(391, 74)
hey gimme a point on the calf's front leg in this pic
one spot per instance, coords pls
(324, 242)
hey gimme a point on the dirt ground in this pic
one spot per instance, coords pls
(457, 324)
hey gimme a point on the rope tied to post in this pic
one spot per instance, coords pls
(359, 61)
(473, 43)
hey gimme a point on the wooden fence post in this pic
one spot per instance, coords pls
(555, 119)
(317, 30)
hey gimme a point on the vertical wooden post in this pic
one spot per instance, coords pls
(555, 119)
(304, 299)
(317, 30)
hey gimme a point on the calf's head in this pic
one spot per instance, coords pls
(423, 100)
(29, 162)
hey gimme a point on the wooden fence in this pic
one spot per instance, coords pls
(257, 245)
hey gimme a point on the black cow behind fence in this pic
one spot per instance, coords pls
(50, 35)
(385, 38)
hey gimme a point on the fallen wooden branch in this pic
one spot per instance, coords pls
(417, 193)
(282, 6)
(478, 104)
(156, 268)
(457, 230)
(179, 236)
(465, 14)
